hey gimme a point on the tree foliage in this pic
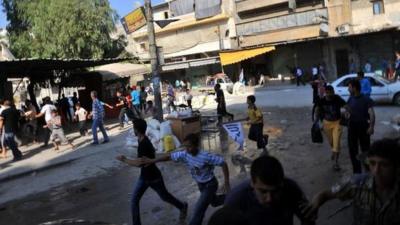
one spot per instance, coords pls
(62, 29)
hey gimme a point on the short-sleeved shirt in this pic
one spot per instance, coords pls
(201, 166)
(135, 97)
(46, 109)
(81, 113)
(243, 199)
(255, 115)
(97, 110)
(359, 106)
(10, 118)
(124, 100)
(146, 149)
(368, 208)
(365, 86)
(330, 109)
(30, 115)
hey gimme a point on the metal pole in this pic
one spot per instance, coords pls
(154, 60)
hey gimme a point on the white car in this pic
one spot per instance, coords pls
(383, 90)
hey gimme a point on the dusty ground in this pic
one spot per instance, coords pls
(106, 197)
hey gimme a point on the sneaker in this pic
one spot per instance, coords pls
(105, 141)
(15, 159)
(94, 143)
(183, 213)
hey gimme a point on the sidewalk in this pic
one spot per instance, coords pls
(37, 158)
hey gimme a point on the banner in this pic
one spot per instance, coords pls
(235, 131)
(134, 20)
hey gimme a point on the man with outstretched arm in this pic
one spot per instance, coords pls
(201, 166)
(150, 176)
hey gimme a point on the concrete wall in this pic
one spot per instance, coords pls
(363, 19)
(339, 12)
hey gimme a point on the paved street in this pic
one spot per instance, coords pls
(92, 185)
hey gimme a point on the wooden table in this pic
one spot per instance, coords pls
(182, 127)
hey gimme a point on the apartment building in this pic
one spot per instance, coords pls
(334, 33)
(190, 45)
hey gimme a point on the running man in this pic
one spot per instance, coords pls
(221, 108)
(201, 166)
(150, 176)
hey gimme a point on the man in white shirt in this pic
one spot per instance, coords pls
(46, 112)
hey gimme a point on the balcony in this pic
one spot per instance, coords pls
(248, 5)
(293, 20)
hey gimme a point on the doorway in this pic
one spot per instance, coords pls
(342, 62)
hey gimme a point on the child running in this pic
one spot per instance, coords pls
(54, 124)
(256, 121)
(81, 115)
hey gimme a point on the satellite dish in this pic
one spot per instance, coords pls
(324, 28)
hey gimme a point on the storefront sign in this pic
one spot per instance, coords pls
(134, 20)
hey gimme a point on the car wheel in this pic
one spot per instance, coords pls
(396, 99)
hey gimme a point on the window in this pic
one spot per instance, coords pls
(374, 82)
(166, 15)
(378, 7)
(143, 46)
(345, 82)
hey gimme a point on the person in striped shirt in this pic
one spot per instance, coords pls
(201, 165)
(98, 115)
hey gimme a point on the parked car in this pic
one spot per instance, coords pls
(221, 79)
(383, 90)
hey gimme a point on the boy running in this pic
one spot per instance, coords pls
(256, 121)
(150, 176)
(81, 115)
(54, 124)
(201, 165)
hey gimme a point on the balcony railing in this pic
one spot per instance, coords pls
(283, 22)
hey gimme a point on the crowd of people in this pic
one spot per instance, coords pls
(269, 196)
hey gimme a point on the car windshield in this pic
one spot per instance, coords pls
(382, 79)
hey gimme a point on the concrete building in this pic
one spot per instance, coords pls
(336, 33)
(190, 45)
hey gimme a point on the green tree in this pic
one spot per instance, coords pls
(62, 29)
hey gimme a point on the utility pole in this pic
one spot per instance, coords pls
(155, 76)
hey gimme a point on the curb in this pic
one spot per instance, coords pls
(40, 169)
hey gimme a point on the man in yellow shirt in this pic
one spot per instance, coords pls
(256, 121)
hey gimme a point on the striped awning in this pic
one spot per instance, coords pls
(232, 57)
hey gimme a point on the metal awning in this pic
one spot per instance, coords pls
(190, 63)
(121, 70)
(232, 57)
(19, 68)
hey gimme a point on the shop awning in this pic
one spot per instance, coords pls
(232, 57)
(190, 63)
(121, 70)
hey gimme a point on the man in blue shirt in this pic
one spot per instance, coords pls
(98, 115)
(365, 84)
(135, 94)
(361, 116)
(201, 166)
(397, 66)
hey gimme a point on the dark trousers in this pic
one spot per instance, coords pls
(32, 127)
(10, 142)
(189, 102)
(256, 134)
(221, 110)
(208, 196)
(121, 117)
(82, 127)
(159, 187)
(357, 136)
(47, 133)
(142, 105)
(299, 79)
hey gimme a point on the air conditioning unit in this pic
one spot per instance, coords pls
(343, 29)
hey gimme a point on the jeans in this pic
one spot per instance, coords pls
(207, 196)
(159, 187)
(357, 135)
(121, 117)
(98, 123)
(9, 140)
